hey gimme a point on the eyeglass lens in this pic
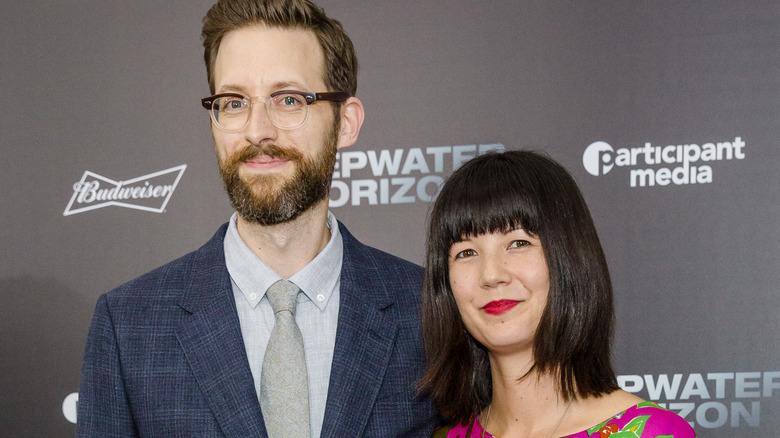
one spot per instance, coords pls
(232, 113)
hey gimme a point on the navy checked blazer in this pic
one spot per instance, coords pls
(165, 356)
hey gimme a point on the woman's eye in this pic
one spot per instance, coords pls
(465, 253)
(519, 243)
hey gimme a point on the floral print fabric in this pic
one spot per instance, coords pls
(645, 420)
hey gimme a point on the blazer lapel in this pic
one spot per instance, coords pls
(365, 338)
(212, 342)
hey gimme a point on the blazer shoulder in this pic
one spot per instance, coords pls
(368, 254)
(174, 276)
(379, 273)
(369, 257)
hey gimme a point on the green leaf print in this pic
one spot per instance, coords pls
(633, 429)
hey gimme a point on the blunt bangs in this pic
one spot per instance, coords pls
(503, 202)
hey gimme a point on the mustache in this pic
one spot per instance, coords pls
(268, 150)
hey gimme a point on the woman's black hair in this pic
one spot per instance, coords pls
(499, 192)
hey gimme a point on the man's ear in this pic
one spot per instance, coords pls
(352, 115)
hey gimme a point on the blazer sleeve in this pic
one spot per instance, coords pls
(103, 408)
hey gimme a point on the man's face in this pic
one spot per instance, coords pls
(273, 175)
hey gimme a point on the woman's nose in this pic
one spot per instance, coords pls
(494, 271)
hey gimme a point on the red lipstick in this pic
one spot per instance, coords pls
(499, 307)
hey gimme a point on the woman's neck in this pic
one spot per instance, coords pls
(524, 403)
(530, 405)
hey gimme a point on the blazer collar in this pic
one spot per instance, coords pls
(365, 337)
(212, 342)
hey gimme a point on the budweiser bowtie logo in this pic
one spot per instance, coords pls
(149, 192)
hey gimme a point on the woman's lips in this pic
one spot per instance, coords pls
(499, 307)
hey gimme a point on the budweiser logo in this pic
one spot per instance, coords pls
(149, 192)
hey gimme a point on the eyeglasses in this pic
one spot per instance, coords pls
(286, 109)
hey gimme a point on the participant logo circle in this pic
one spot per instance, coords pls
(594, 155)
(70, 407)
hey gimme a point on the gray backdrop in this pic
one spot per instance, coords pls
(105, 95)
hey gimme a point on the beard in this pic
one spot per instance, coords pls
(257, 199)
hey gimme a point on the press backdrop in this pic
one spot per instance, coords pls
(665, 112)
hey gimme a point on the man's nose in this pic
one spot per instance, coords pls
(259, 127)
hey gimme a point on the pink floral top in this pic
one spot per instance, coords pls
(645, 420)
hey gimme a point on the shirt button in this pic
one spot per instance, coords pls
(253, 296)
(320, 297)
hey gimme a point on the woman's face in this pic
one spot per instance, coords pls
(500, 282)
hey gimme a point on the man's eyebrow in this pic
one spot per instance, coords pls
(232, 88)
(288, 85)
(276, 86)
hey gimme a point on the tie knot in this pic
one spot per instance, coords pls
(282, 295)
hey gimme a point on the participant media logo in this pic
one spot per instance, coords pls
(148, 192)
(651, 165)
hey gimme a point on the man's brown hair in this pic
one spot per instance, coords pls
(341, 64)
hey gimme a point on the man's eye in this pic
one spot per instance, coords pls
(231, 104)
(289, 101)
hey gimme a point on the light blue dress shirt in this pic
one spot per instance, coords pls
(317, 309)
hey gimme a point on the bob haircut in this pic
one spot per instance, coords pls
(499, 192)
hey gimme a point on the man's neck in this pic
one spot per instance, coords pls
(288, 247)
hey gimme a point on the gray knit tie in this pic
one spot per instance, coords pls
(284, 386)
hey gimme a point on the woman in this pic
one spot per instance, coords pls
(517, 310)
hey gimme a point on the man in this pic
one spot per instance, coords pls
(199, 347)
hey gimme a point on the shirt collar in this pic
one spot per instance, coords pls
(317, 280)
